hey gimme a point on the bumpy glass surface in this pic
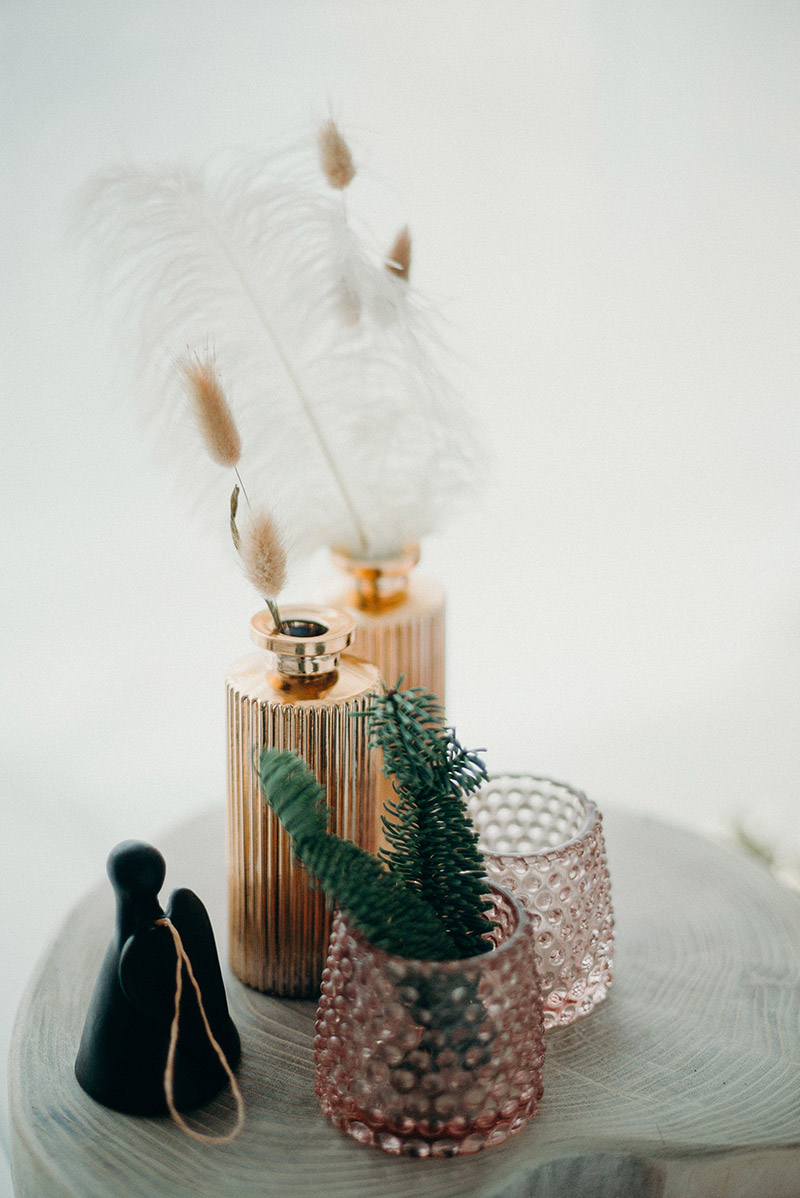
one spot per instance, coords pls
(431, 1058)
(543, 841)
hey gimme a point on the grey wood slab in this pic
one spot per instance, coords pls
(684, 1083)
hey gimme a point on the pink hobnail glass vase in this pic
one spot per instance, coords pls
(543, 841)
(431, 1058)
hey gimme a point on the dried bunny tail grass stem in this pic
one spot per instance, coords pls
(211, 410)
(263, 554)
(398, 260)
(335, 157)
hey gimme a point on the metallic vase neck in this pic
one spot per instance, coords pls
(320, 636)
(379, 582)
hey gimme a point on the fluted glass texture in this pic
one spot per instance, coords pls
(543, 841)
(431, 1058)
(279, 924)
(401, 632)
(399, 617)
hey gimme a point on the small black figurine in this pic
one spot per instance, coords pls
(123, 1053)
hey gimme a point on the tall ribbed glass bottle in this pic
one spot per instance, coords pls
(300, 691)
(400, 618)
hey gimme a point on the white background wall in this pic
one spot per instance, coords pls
(604, 195)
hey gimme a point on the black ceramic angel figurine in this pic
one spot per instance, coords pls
(122, 1057)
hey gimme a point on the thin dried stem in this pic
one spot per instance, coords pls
(234, 508)
(242, 486)
(276, 615)
(296, 385)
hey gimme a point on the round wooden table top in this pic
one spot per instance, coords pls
(685, 1082)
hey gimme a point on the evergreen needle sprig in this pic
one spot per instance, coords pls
(426, 896)
(433, 844)
(390, 915)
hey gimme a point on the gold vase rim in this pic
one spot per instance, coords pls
(394, 565)
(337, 629)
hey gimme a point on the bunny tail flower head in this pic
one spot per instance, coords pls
(327, 356)
(335, 157)
(211, 410)
(398, 260)
(263, 554)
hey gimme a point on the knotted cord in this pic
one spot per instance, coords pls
(169, 1071)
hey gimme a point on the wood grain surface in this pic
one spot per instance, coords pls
(685, 1082)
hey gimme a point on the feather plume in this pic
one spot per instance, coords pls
(211, 411)
(349, 429)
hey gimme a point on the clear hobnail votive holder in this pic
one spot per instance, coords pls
(543, 841)
(431, 1058)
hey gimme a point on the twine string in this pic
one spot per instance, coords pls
(169, 1071)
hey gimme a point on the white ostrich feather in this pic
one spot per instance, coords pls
(331, 364)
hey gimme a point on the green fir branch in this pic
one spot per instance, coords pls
(425, 897)
(433, 844)
(390, 914)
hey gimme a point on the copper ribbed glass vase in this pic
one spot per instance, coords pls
(400, 627)
(301, 694)
(400, 618)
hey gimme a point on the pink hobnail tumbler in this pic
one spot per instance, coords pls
(543, 841)
(431, 1058)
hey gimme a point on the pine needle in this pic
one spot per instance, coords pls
(427, 897)
(391, 916)
(433, 845)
